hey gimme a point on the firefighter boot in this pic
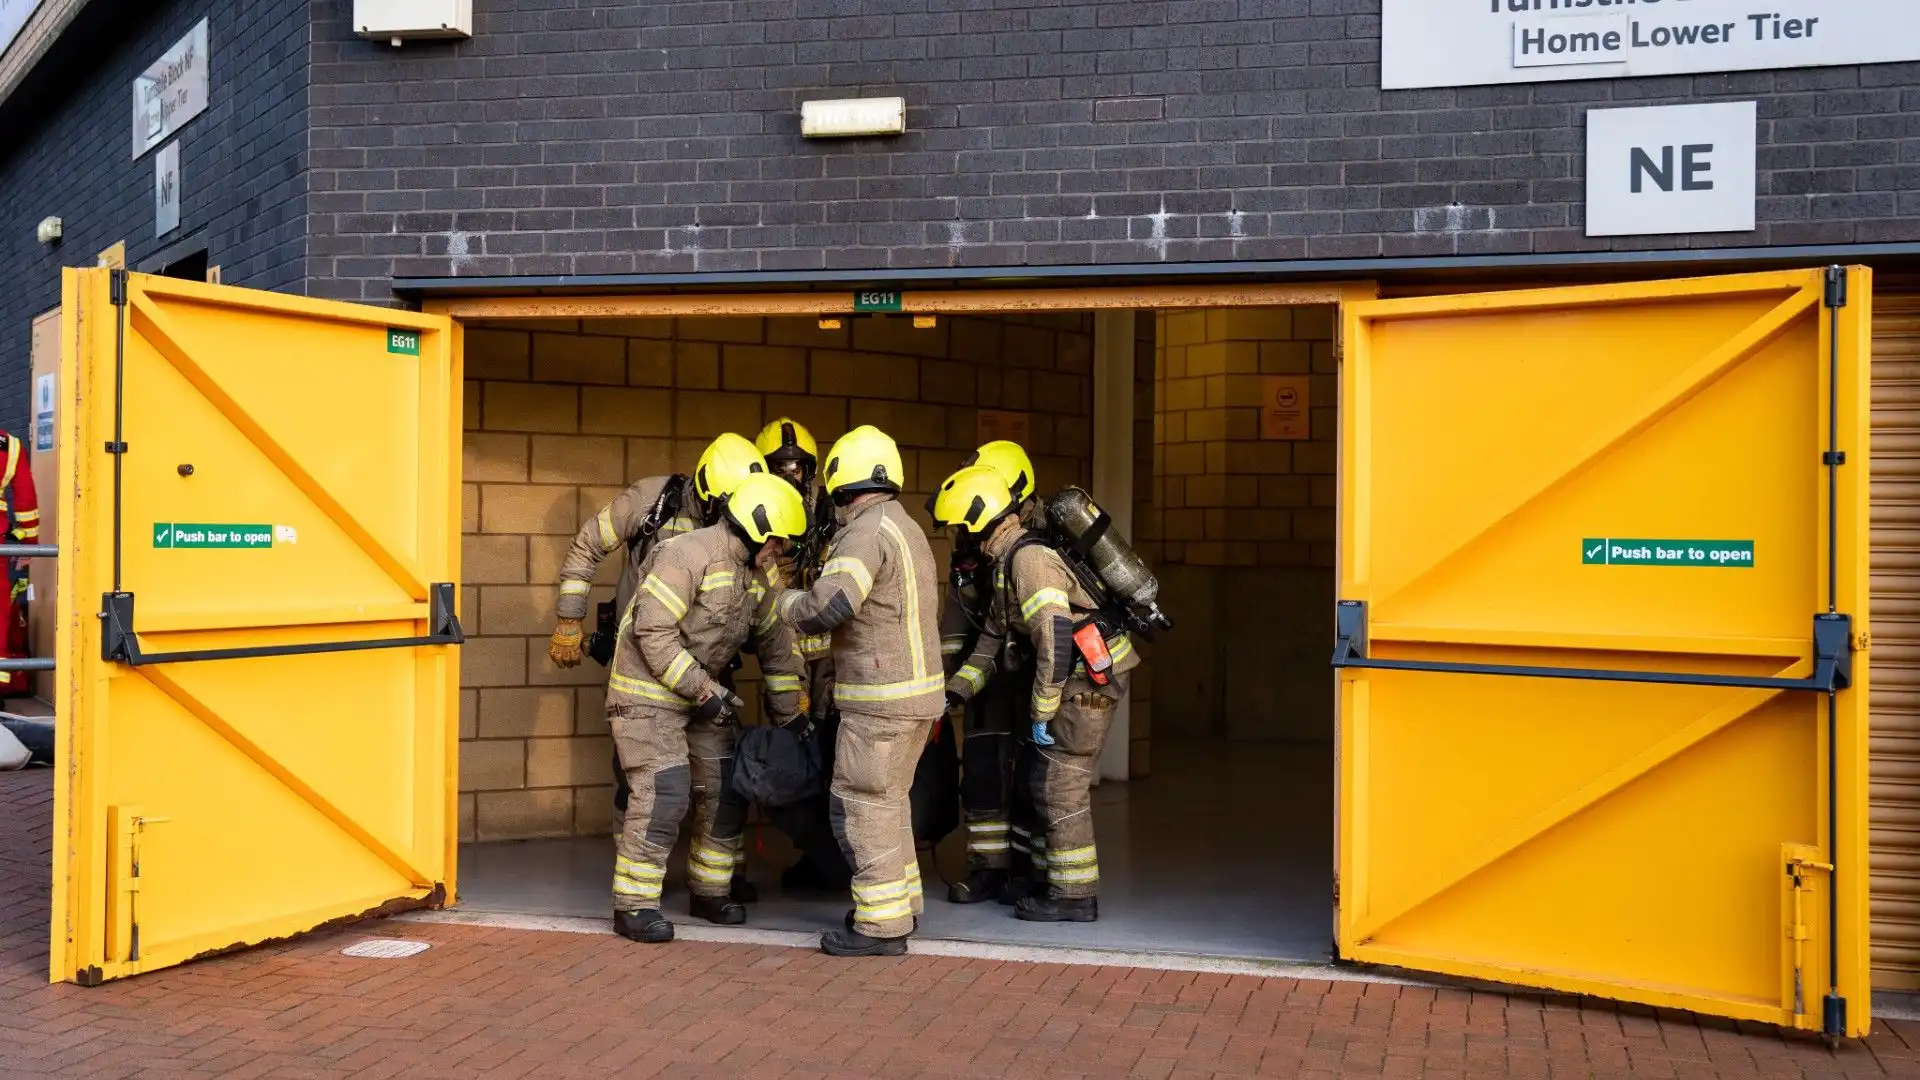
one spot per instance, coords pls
(719, 910)
(978, 887)
(1056, 909)
(743, 891)
(1019, 887)
(855, 943)
(648, 926)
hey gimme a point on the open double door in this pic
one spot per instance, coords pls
(1603, 619)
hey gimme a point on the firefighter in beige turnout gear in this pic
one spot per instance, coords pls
(650, 510)
(999, 817)
(1036, 598)
(878, 595)
(674, 721)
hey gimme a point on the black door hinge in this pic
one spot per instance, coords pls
(1836, 287)
(117, 287)
(116, 448)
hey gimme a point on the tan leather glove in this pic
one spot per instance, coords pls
(564, 649)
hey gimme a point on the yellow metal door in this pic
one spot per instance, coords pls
(1603, 557)
(258, 534)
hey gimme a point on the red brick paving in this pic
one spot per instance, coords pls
(512, 1003)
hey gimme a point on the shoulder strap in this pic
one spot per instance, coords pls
(666, 507)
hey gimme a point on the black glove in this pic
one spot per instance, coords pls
(721, 707)
(601, 641)
(954, 702)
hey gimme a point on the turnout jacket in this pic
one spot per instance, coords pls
(698, 603)
(1036, 597)
(622, 522)
(877, 595)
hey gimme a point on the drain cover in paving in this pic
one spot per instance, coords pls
(385, 948)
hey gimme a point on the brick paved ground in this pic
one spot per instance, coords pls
(513, 1003)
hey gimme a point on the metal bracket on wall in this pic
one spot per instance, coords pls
(118, 642)
(1832, 660)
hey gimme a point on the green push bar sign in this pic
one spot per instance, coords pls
(1726, 554)
(187, 535)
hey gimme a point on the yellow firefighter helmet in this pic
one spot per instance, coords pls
(865, 459)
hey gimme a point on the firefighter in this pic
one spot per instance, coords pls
(1080, 675)
(21, 512)
(793, 454)
(674, 718)
(999, 819)
(877, 596)
(654, 509)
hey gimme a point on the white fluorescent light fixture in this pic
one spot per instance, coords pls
(850, 117)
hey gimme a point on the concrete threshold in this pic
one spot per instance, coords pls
(1887, 1005)
(931, 946)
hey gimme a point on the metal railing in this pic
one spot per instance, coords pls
(28, 551)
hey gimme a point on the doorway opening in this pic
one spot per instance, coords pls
(1231, 709)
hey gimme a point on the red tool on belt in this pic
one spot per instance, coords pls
(1093, 649)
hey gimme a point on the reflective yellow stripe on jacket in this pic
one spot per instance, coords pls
(660, 591)
(644, 688)
(895, 691)
(852, 568)
(912, 593)
(1041, 600)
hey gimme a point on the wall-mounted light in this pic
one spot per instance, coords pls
(831, 322)
(50, 230)
(852, 117)
(925, 322)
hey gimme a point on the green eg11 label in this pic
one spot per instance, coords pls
(188, 535)
(403, 342)
(877, 300)
(1737, 554)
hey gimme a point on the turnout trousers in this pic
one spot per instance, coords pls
(873, 765)
(1061, 784)
(674, 763)
(998, 814)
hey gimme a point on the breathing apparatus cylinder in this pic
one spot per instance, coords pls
(1073, 513)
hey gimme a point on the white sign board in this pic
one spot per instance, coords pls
(172, 91)
(166, 189)
(1471, 42)
(13, 19)
(43, 396)
(1671, 169)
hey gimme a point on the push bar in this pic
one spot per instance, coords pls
(29, 551)
(119, 643)
(1832, 660)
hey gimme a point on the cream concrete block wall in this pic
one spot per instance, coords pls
(1225, 496)
(1244, 525)
(561, 415)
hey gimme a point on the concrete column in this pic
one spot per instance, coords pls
(1113, 344)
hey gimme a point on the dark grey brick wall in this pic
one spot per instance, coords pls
(662, 135)
(65, 150)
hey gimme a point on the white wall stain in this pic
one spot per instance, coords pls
(460, 251)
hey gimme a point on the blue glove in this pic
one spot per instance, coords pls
(1040, 735)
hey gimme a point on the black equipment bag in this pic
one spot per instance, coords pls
(777, 766)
